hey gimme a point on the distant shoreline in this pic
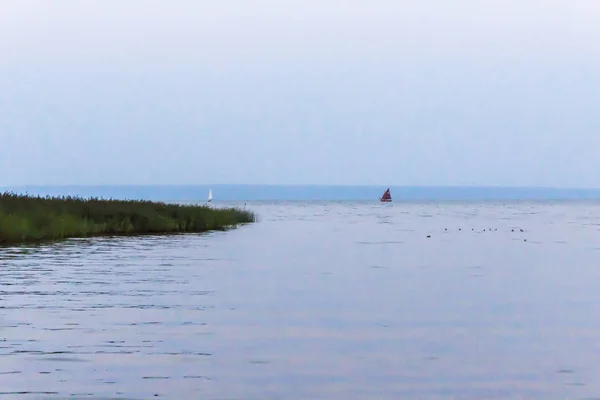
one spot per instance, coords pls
(30, 219)
(249, 193)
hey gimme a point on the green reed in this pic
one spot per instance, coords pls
(25, 218)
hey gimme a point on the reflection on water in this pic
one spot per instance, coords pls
(328, 301)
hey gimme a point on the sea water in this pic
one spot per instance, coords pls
(319, 299)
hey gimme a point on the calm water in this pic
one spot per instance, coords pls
(321, 300)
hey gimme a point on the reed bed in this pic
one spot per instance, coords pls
(25, 218)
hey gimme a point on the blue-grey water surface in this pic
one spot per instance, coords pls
(315, 301)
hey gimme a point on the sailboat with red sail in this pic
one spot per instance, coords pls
(387, 197)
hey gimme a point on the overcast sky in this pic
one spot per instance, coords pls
(392, 92)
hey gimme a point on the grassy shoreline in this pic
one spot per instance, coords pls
(30, 219)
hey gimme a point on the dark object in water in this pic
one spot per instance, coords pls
(387, 197)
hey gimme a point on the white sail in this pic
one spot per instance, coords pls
(209, 195)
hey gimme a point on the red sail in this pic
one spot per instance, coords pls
(386, 196)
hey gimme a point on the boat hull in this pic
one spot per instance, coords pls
(386, 200)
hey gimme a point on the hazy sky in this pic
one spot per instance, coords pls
(428, 92)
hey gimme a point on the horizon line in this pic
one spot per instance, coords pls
(303, 185)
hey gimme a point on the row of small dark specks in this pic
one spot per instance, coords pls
(484, 230)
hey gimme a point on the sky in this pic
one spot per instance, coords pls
(379, 92)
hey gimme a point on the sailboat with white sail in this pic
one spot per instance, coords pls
(209, 195)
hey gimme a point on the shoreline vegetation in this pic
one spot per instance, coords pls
(29, 219)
